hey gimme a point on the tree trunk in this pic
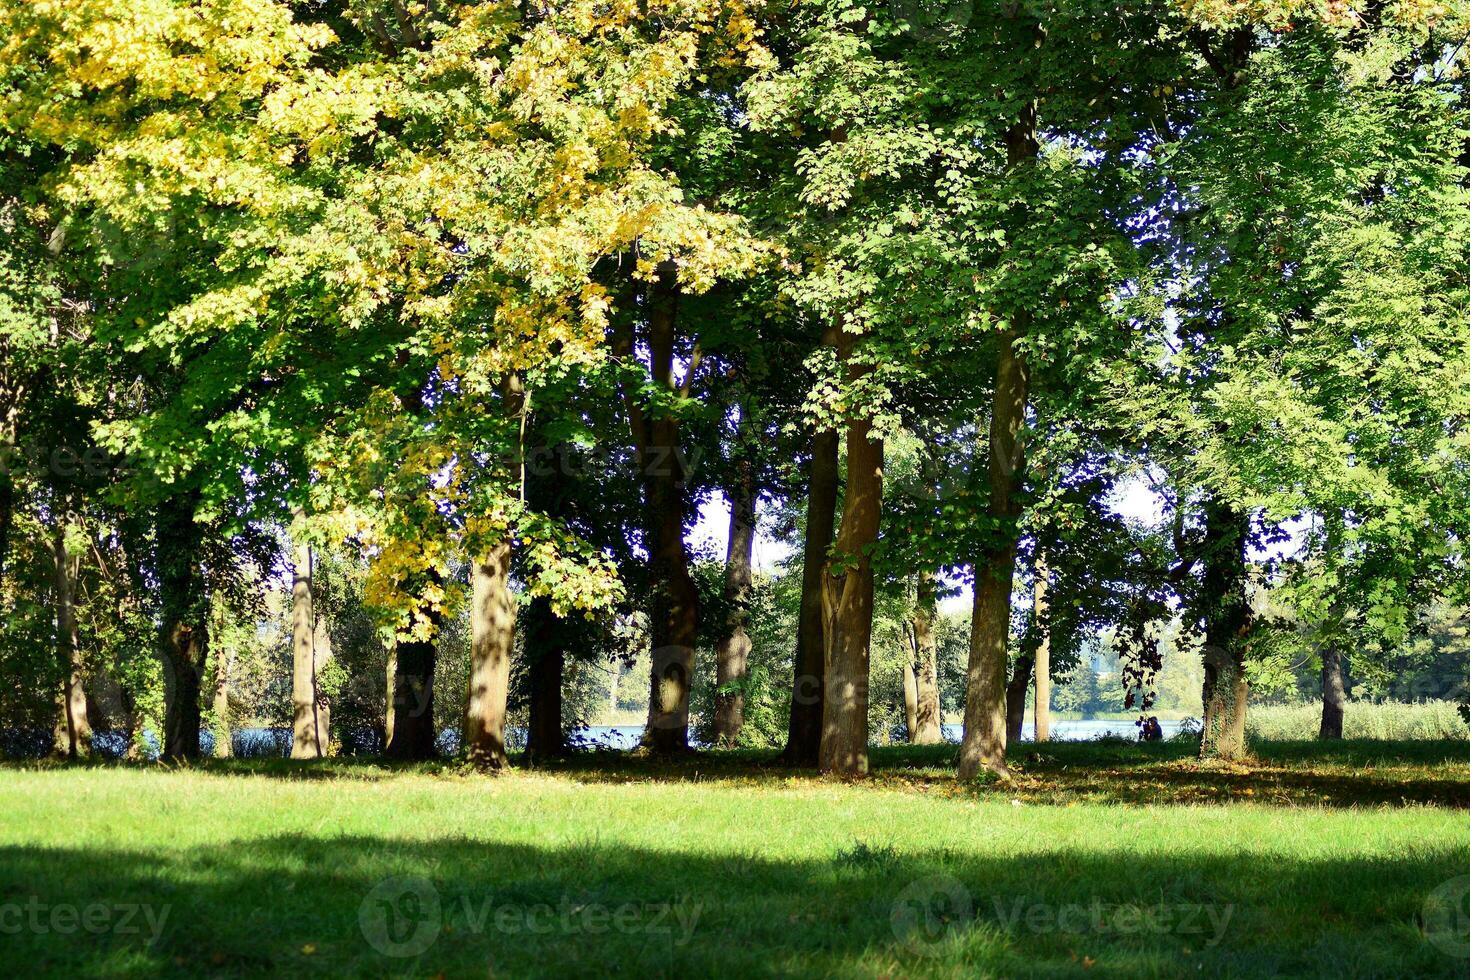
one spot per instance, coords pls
(546, 664)
(984, 745)
(309, 732)
(1227, 617)
(910, 701)
(184, 632)
(804, 738)
(492, 637)
(389, 685)
(223, 745)
(412, 735)
(1039, 615)
(928, 724)
(493, 613)
(847, 597)
(1334, 695)
(74, 731)
(674, 613)
(733, 652)
(1016, 692)
(7, 507)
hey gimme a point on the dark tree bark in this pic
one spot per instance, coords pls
(984, 745)
(910, 700)
(7, 508)
(847, 596)
(732, 654)
(184, 633)
(412, 735)
(546, 663)
(804, 738)
(74, 730)
(1016, 691)
(1227, 616)
(674, 599)
(1334, 694)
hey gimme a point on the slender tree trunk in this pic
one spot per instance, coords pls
(309, 734)
(928, 726)
(1040, 615)
(7, 508)
(733, 652)
(493, 615)
(390, 683)
(223, 745)
(984, 745)
(546, 664)
(910, 701)
(1016, 692)
(184, 633)
(674, 612)
(1334, 695)
(847, 597)
(1227, 617)
(804, 739)
(74, 731)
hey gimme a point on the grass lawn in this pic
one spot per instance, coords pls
(1107, 860)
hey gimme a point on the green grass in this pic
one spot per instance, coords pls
(1426, 720)
(1103, 859)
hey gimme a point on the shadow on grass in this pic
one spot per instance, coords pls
(370, 906)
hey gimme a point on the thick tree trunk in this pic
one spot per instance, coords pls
(984, 745)
(1039, 615)
(804, 738)
(184, 633)
(309, 729)
(732, 654)
(546, 664)
(492, 638)
(1016, 691)
(493, 614)
(847, 598)
(412, 735)
(1227, 617)
(74, 731)
(1334, 695)
(928, 726)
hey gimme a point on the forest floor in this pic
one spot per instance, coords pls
(1101, 859)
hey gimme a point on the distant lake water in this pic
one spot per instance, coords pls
(266, 742)
(626, 737)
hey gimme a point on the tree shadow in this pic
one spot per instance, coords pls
(458, 906)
